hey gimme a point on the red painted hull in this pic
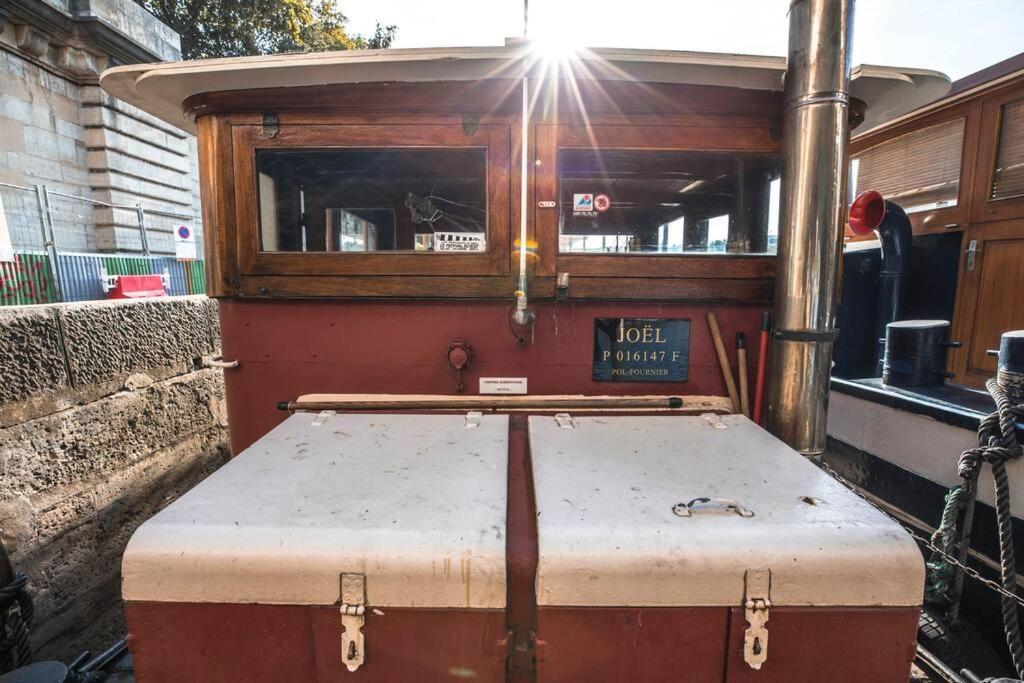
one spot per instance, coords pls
(218, 643)
(287, 348)
(272, 643)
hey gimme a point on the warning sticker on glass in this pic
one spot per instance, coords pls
(582, 203)
(460, 241)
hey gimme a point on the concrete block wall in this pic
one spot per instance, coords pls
(106, 415)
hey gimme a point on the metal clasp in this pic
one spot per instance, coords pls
(565, 421)
(756, 602)
(353, 618)
(726, 504)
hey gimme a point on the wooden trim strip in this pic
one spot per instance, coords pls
(317, 402)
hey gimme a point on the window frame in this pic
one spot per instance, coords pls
(495, 139)
(984, 208)
(947, 218)
(680, 137)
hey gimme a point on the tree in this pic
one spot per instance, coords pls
(233, 28)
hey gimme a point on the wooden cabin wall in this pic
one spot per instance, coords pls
(651, 117)
(990, 275)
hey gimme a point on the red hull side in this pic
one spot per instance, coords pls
(287, 348)
(219, 643)
(834, 644)
(256, 643)
(602, 645)
(675, 645)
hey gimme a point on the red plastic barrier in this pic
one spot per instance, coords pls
(137, 287)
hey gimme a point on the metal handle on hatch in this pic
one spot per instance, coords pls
(219, 362)
(687, 509)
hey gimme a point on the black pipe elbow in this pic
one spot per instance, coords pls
(870, 212)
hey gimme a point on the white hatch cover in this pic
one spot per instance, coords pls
(415, 503)
(614, 529)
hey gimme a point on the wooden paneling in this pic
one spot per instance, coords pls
(495, 139)
(990, 301)
(982, 207)
(484, 115)
(217, 198)
(631, 269)
(949, 218)
(559, 100)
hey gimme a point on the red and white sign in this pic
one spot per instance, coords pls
(602, 202)
(184, 243)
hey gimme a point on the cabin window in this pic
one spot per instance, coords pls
(919, 171)
(1008, 180)
(351, 201)
(667, 202)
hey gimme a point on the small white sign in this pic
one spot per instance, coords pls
(460, 241)
(502, 385)
(582, 203)
(6, 248)
(184, 243)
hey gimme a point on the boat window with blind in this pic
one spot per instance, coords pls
(373, 200)
(1008, 179)
(614, 201)
(919, 171)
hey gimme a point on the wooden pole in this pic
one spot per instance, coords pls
(317, 402)
(741, 368)
(723, 360)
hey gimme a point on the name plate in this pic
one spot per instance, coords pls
(641, 349)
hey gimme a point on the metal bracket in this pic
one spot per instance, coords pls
(714, 420)
(565, 421)
(470, 123)
(562, 287)
(322, 417)
(756, 602)
(271, 125)
(353, 618)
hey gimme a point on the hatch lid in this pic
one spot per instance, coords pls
(615, 527)
(415, 503)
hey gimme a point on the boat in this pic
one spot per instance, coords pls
(474, 306)
(943, 274)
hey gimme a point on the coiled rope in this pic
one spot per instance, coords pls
(16, 614)
(997, 444)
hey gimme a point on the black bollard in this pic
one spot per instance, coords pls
(1010, 371)
(915, 353)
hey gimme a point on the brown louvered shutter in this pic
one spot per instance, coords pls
(919, 171)
(1008, 180)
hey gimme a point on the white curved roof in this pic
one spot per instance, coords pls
(160, 89)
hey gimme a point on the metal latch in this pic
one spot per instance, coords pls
(271, 125)
(353, 617)
(565, 421)
(756, 601)
(972, 253)
(562, 287)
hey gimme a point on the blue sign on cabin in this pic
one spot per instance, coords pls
(641, 349)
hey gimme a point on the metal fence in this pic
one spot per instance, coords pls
(43, 272)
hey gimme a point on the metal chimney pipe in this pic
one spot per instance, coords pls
(815, 132)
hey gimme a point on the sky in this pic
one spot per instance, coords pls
(956, 37)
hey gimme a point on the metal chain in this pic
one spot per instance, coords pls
(968, 571)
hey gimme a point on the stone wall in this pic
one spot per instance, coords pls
(57, 128)
(106, 415)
